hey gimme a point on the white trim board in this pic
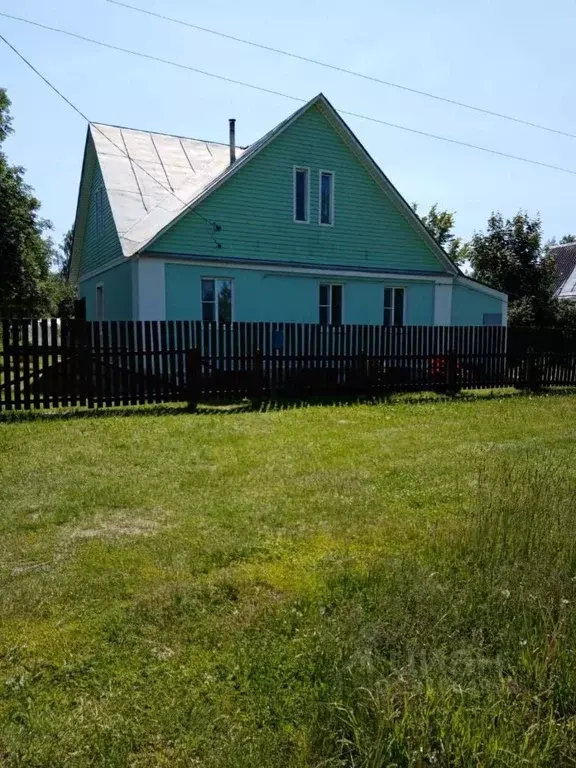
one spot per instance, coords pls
(321, 272)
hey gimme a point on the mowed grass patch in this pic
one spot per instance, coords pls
(300, 587)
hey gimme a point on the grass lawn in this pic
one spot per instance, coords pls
(366, 585)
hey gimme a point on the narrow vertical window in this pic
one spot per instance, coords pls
(394, 306)
(330, 305)
(301, 194)
(99, 303)
(216, 300)
(326, 206)
(398, 306)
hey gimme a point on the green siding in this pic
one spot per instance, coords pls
(262, 296)
(117, 284)
(254, 209)
(99, 250)
(469, 305)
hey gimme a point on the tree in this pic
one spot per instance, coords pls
(440, 225)
(25, 253)
(509, 256)
(62, 292)
(564, 240)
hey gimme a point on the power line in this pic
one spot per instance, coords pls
(343, 70)
(244, 84)
(215, 227)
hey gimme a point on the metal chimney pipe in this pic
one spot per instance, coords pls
(232, 122)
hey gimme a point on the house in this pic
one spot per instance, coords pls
(301, 226)
(565, 260)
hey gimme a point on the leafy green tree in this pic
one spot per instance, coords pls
(440, 224)
(509, 256)
(62, 292)
(25, 252)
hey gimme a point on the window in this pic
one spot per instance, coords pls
(330, 304)
(394, 306)
(326, 206)
(217, 300)
(492, 318)
(100, 302)
(301, 194)
(99, 203)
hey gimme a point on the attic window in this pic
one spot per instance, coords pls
(99, 205)
(301, 195)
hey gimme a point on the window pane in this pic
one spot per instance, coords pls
(387, 306)
(324, 294)
(399, 306)
(224, 301)
(301, 196)
(323, 315)
(326, 198)
(208, 311)
(336, 304)
(207, 290)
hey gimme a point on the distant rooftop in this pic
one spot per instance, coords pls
(565, 259)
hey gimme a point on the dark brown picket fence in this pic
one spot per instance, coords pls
(53, 363)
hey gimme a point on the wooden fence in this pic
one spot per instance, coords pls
(53, 363)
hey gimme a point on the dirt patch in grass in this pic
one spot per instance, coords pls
(124, 522)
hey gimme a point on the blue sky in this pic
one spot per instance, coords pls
(511, 56)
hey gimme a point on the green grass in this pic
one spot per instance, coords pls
(360, 586)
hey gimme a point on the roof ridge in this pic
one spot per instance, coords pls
(563, 245)
(170, 135)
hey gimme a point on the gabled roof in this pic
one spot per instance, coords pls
(151, 177)
(565, 260)
(140, 167)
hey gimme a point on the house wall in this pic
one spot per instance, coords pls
(262, 296)
(99, 249)
(469, 305)
(254, 210)
(117, 284)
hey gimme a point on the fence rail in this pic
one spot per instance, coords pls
(53, 363)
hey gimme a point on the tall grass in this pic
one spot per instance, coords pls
(473, 655)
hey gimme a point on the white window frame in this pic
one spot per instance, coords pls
(329, 305)
(100, 302)
(332, 196)
(307, 199)
(392, 308)
(232, 297)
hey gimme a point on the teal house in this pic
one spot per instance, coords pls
(301, 226)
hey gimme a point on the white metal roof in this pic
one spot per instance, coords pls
(151, 178)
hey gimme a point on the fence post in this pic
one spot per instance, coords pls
(452, 384)
(193, 380)
(258, 376)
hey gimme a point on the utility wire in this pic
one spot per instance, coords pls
(214, 226)
(343, 70)
(244, 84)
